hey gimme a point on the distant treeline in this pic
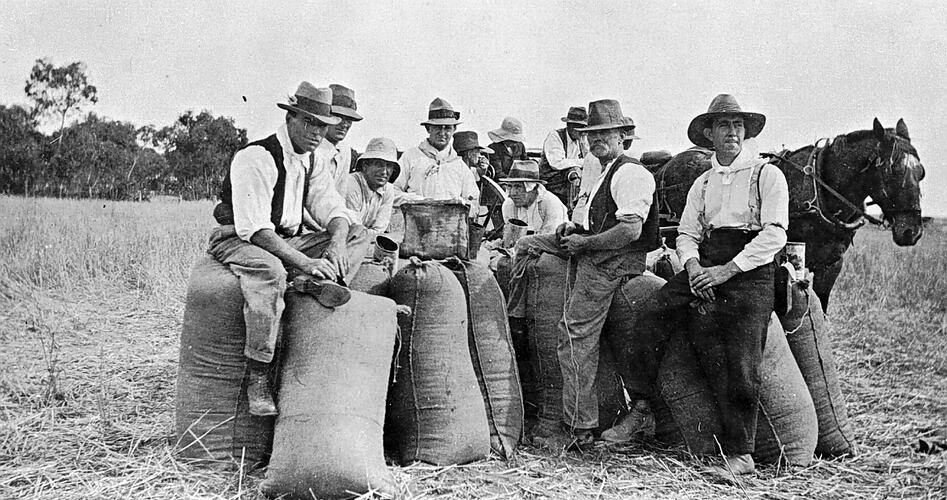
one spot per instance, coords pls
(96, 157)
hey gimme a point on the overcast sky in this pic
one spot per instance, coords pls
(814, 69)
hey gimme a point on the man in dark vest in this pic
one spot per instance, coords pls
(604, 250)
(733, 225)
(265, 192)
(507, 146)
(563, 150)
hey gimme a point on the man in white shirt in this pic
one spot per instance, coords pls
(266, 192)
(563, 151)
(604, 251)
(592, 168)
(432, 169)
(529, 201)
(367, 191)
(333, 154)
(733, 225)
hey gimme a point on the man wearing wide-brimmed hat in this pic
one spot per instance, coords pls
(367, 191)
(261, 236)
(507, 145)
(592, 168)
(604, 250)
(733, 225)
(433, 169)
(467, 145)
(529, 201)
(333, 154)
(563, 151)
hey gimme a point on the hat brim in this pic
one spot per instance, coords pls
(753, 124)
(506, 180)
(371, 155)
(576, 122)
(631, 130)
(347, 113)
(328, 120)
(604, 126)
(442, 121)
(500, 135)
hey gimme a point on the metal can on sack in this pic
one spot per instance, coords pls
(795, 253)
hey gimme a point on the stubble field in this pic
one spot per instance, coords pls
(91, 302)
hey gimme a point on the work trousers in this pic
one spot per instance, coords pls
(728, 335)
(262, 279)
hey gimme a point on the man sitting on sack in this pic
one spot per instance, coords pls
(432, 169)
(563, 151)
(733, 225)
(332, 154)
(592, 169)
(265, 191)
(529, 201)
(604, 250)
(367, 191)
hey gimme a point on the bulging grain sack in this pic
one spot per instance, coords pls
(786, 427)
(372, 278)
(436, 413)
(812, 348)
(212, 418)
(504, 271)
(623, 314)
(491, 351)
(328, 438)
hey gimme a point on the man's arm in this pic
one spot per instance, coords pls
(555, 152)
(268, 240)
(618, 236)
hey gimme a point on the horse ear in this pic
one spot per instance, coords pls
(879, 130)
(902, 129)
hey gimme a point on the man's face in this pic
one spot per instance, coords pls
(573, 130)
(605, 144)
(376, 172)
(305, 132)
(520, 196)
(472, 157)
(726, 133)
(336, 133)
(439, 135)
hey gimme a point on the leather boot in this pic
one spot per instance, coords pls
(258, 390)
(732, 467)
(326, 292)
(638, 424)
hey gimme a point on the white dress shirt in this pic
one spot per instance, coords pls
(721, 198)
(440, 175)
(632, 189)
(544, 215)
(555, 152)
(336, 159)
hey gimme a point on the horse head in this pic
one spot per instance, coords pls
(894, 176)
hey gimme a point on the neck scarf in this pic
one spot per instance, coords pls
(747, 158)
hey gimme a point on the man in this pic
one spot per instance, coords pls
(507, 145)
(563, 151)
(266, 192)
(592, 168)
(367, 191)
(733, 224)
(529, 201)
(467, 146)
(604, 250)
(332, 155)
(432, 169)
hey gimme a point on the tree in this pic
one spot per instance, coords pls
(198, 149)
(19, 151)
(59, 92)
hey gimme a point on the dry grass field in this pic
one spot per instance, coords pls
(91, 302)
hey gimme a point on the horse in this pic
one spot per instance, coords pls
(828, 184)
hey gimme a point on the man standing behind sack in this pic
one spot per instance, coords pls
(604, 251)
(265, 191)
(507, 146)
(733, 224)
(367, 191)
(332, 154)
(563, 151)
(529, 201)
(432, 169)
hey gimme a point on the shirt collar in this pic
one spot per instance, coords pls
(447, 154)
(747, 158)
(282, 135)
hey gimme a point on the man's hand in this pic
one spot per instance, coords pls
(337, 257)
(564, 229)
(320, 268)
(574, 243)
(703, 279)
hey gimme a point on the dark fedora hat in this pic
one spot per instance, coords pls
(629, 128)
(343, 102)
(723, 105)
(440, 112)
(605, 114)
(576, 115)
(312, 101)
(467, 140)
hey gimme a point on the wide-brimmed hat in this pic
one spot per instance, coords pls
(312, 101)
(510, 130)
(605, 114)
(523, 171)
(629, 128)
(577, 115)
(467, 140)
(343, 102)
(381, 148)
(723, 105)
(440, 112)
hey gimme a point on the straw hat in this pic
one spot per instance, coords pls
(576, 115)
(381, 148)
(523, 171)
(723, 105)
(467, 140)
(440, 112)
(343, 102)
(510, 130)
(312, 101)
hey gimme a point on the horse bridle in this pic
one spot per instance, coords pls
(885, 167)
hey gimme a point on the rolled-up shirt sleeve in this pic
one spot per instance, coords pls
(555, 152)
(774, 217)
(252, 179)
(324, 201)
(690, 231)
(633, 191)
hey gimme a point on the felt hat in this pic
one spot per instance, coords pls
(576, 115)
(312, 101)
(605, 114)
(381, 148)
(467, 140)
(343, 102)
(629, 128)
(523, 171)
(440, 112)
(723, 105)
(510, 130)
